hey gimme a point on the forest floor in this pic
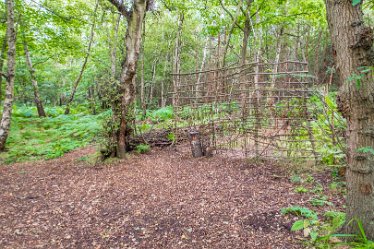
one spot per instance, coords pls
(163, 199)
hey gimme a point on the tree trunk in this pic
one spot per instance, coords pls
(243, 60)
(143, 102)
(127, 85)
(8, 102)
(272, 95)
(2, 59)
(153, 82)
(246, 33)
(37, 100)
(317, 50)
(198, 89)
(113, 51)
(353, 44)
(234, 23)
(79, 78)
(163, 88)
(177, 54)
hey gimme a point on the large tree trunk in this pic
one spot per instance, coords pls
(80, 75)
(353, 44)
(37, 100)
(127, 88)
(8, 102)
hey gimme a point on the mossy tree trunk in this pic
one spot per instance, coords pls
(134, 17)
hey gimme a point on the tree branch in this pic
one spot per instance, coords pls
(232, 17)
(121, 7)
(4, 75)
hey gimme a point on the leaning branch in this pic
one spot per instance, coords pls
(121, 7)
(232, 17)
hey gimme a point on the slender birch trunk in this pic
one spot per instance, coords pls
(2, 59)
(177, 55)
(8, 102)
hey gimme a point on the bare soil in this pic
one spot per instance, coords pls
(164, 199)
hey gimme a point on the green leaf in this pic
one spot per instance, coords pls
(298, 225)
(342, 235)
(329, 102)
(362, 231)
(356, 2)
(367, 149)
(314, 235)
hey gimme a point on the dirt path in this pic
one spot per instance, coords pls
(164, 199)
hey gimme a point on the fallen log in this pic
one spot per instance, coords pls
(154, 138)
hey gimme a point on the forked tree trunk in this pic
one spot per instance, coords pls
(234, 23)
(353, 44)
(127, 85)
(8, 102)
(34, 82)
(80, 75)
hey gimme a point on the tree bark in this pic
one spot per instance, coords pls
(353, 44)
(8, 102)
(34, 82)
(2, 59)
(127, 86)
(79, 78)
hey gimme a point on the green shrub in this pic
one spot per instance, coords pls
(142, 148)
(162, 114)
(299, 211)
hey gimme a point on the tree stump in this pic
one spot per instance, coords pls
(195, 142)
